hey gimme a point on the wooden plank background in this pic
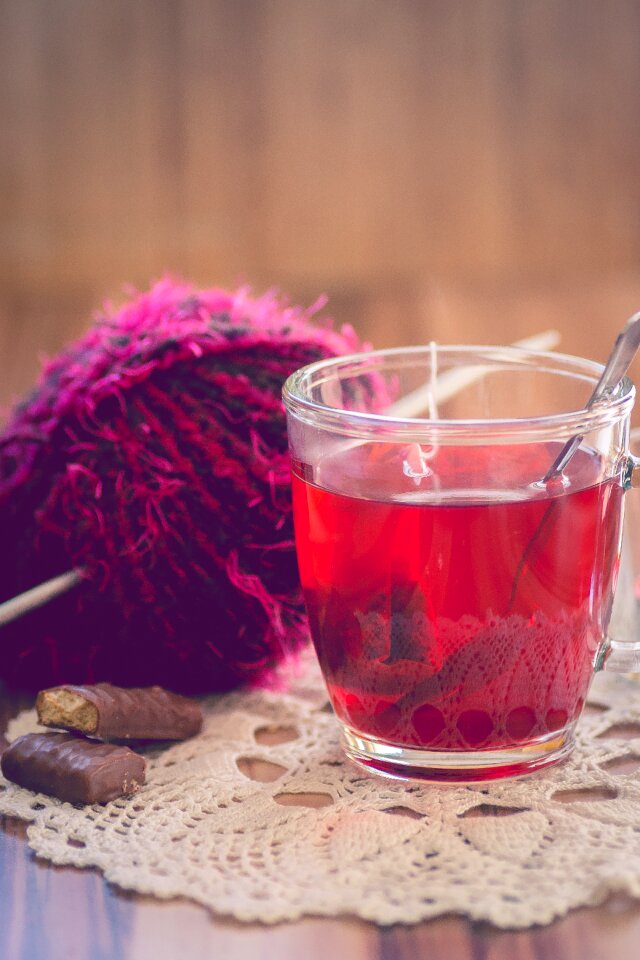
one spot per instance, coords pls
(457, 169)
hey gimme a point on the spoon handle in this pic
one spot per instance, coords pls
(624, 350)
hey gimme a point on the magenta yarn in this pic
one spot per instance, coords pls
(153, 457)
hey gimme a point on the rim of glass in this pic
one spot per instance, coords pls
(380, 425)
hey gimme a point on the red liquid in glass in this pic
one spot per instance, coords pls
(448, 613)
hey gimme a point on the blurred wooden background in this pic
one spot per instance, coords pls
(450, 169)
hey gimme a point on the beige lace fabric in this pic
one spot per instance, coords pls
(316, 835)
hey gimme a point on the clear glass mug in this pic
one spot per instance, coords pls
(459, 590)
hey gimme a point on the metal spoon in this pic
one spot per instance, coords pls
(623, 352)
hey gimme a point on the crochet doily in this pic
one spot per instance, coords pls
(316, 835)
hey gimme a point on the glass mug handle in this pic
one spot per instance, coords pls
(623, 656)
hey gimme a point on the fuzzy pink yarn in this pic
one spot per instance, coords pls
(153, 457)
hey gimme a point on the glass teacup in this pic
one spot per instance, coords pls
(458, 593)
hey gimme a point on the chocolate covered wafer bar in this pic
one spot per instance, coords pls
(116, 713)
(72, 768)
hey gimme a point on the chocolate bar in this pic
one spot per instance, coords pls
(72, 768)
(116, 713)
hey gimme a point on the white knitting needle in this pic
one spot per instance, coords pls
(446, 385)
(37, 596)
(453, 381)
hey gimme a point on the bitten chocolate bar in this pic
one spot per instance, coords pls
(72, 768)
(116, 713)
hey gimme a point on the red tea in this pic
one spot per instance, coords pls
(449, 612)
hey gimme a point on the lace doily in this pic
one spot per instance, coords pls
(316, 835)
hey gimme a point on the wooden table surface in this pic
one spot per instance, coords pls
(61, 913)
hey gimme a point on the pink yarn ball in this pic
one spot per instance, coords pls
(152, 456)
